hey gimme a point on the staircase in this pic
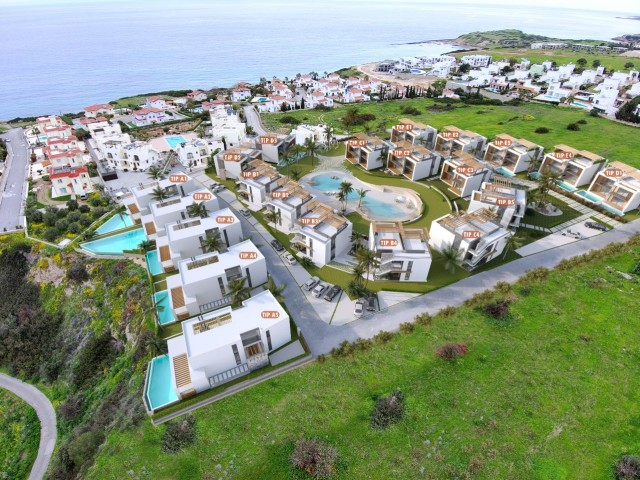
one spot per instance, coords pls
(229, 375)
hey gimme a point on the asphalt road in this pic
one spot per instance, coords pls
(46, 415)
(13, 181)
(253, 120)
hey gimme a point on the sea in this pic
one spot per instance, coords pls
(57, 57)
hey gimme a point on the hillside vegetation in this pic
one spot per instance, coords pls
(511, 38)
(19, 436)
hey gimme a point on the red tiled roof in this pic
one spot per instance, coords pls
(98, 106)
(146, 111)
(72, 173)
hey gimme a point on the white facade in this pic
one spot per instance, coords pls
(289, 199)
(148, 116)
(617, 187)
(142, 195)
(225, 123)
(499, 196)
(452, 140)
(195, 153)
(464, 174)
(94, 111)
(255, 187)
(514, 155)
(304, 132)
(233, 161)
(476, 60)
(368, 152)
(575, 167)
(240, 94)
(415, 162)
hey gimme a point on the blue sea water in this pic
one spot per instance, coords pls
(59, 56)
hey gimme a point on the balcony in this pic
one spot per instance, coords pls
(222, 302)
(228, 375)
(234, 273)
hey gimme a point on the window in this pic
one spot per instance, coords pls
(236, 354)
(269, 340)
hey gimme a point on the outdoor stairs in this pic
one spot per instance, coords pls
(341, 266)
(229, 375)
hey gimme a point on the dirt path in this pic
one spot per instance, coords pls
(401, 78)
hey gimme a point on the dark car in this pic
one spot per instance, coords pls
(371, 303)
(596, 226)
(331, 294)
(277, 245)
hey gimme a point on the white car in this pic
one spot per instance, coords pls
(245, 212)
(319, 290)
(359, 309)
(291, 260)
(309, 284)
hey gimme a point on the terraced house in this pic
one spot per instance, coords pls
(289, 200)
(414, 132)
(575, 168)
(256, 184)
(452, 140)
(403, 252)
(509, 155)
(414, 162)
(617, 188)
(464, 173)
(501, 197)
(368, 152)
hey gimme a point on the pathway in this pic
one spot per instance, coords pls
(46, 415)
(13, 181)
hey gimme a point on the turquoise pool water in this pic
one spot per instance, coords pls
(610, 209)
(567, 187)
(153, 263)
(175, 141)
(160, 390)
(589, 196)
(165, 314)
(535, 175)
(377, 208)
(117, 222)
(505, 172)
(581, 105)
(116, 244)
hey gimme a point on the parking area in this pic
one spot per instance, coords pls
(572, 234)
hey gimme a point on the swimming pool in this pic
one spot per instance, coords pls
(175, 141)
(377, 208)
(566, 186)
(163, 307)
(153, 263)
(589, 196)
(160, 392)
(505, 172)
(116, 244)
(581, 105)
(117, 222)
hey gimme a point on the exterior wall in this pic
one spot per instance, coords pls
(440, 237)
(426, 168)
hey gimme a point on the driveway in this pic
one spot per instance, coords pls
(46, 415)
(13, 181)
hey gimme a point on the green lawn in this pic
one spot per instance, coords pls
(609, 139)
(19, 436)
(549, 394)
(539, 220)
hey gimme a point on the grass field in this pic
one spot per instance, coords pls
(549, 394)
(612, 140)
(19, 436)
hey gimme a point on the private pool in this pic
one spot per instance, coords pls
(153, 263)
(566, 186)
(589, 196)
(505, 172)
(117, 222)
(175, 141)
(165, 314)
(116, 244)
(160, 392)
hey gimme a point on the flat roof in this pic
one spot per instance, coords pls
(197, 226)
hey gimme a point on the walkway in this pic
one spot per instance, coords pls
(14, 180)
(46, 415)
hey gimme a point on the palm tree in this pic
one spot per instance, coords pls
(547, 181)
(159, 193)
(356, 290)
(306, 262)
(239, 291)
(212, 243)
(512, 243)
(197, 210)
(362, 192)
(276, 290)
(358, 272)
(311, 147)
(328, 133)
(357, 238)
(368, 259)
(146, 245)
(273, 216)
(345, 188)
(155, 173)
(296, 174)
(451, 256)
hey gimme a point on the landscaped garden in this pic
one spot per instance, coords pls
(538, 380)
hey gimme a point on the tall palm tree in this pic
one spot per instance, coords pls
(276, 290)
(512, 243)
(146, 245)
(547, 181)
(212, 243)
(345, 188)
(296, 174)
(239, 291)
(159, 193)
(328, 133)
(451, 256)
(358, 272)
(362, 192)
(357, 238)
(197, 210)
(273, 216)
(311, 147)
(368, 259)
(155, 173)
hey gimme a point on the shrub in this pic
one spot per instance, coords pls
(72, 205)
(503, 287)
(497, 309)
(452, 351)
(542, 130)
(321, 358)
(407, 327)
(627, 468)
(574, 127)
(535, 275)
(423, 319)
(582, 122)
(410, 110)
(388, 410)
(179, 434)
(290, 120)
(50, 234)
(71, 408)
(62, 225)
(34, 216)
(78, 273)
(362, 344)
(73, 216)
(84, 208)
(447, 312)
(382, 337)
(74, 227)
(50, 219)
(85, 220)
(317, 458)
(84, 446)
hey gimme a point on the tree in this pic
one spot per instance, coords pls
(547, 181)
(82, 134)
(596, 63)
(296, 174)
(197, 210)
(512, 243)
(159, 193)
(155, 173)
(362, 192)
(629, 65)
(273, 216)
(146, 245)
(581, 62)
(328, 133)
(451, 256)
(239, 291)
(464, 68)
(357, 238)
(311, 148)
(369, 261)
(212, 243)
(358, 273)
(84, 446)
(306, 262)
(356, 290)
(276, 290)
(345, 189)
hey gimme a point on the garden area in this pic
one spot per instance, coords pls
(19, 436)
(535, 380)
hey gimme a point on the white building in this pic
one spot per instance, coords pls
(501, 197)
(464, 173)
(510, 155)
(256, 183)
(93, 111)
(156, 102)
(476, 61)
(274, 146)
(241, 93)
(195, 153)
(223, 345)
(289, 200)
(232, 162)
(415, 162)
(403, 252)
(142, 195)
(148, 116)
(225, 123)
(617, 187)
(452, 140)
(574, 167)
(368, 152)
(304, 132)
(414, 132)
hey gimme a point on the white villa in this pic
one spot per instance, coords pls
(413, 132)
(464, 173)
(452, 139)
(617, 187)
(233, 161)
(512, 155)
(274, 146)
(143, 194)
(256, 183)
(575, 167)
(93, 111)
(288, 198)
(148, 116)
(415, 162)
(225, 123)
(368, 152)
(503, 198)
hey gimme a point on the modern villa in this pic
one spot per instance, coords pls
(274, 146)
(143, 194)
(231, 162)
(289, 199)
(415, 162)
(452, 140)
(256, 182)
(477, 236)
(575, 167)
(217, 347)
(502, 197)
(617, 187)
(203, 281)
(510, 155)
(464, 173)
(368, 152)
(403, 252)
(413, 132)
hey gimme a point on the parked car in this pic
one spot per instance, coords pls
(371, 303)
(359, 309)
(309, 284)
(291, 260)
(245, 212)
(596, 226)
(319, 290)
(277, 245)
(332, 292)
(214, 185)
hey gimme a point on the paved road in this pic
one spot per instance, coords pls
(253, 120)
(13, 180)
(46, 415)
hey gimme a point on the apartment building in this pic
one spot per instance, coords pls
(403, 252)
(195, 153)
(452, 140)
(304, 132)
(464, 173)
(415, 162)
(368, 152)
(616, 188)
(414, 132)
(476, 61)
(225, 123)
(321, 234)
(574, 167)
(509, 155)
(231, 162)
(274, 146)
(148, 116)
(142, 195)
(226, 344)
(202, 283)
(501, 197)
(288, 199)
(477, 236)
(256, 183)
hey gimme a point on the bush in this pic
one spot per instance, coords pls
(407, 327)
(34, 216)
(447, 312)
(497, 309)
(542, 130)
(321, 358)
(99, 211)
(85, 220)
(535, 275)
(179, 434)
(84, 446)
(289, 119)
(410, 110)
(388, 410)
(50, 234)
(315, 457)
(49, 219)
(74, 227)
(582, 122)
(84, 208)
(78, 273)
(423, 319)
(627, 468)
(503, 287)
(382, 337)
(72, 205)
(452, 351)
(72, 407)
(62, 225)
(574, 127)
